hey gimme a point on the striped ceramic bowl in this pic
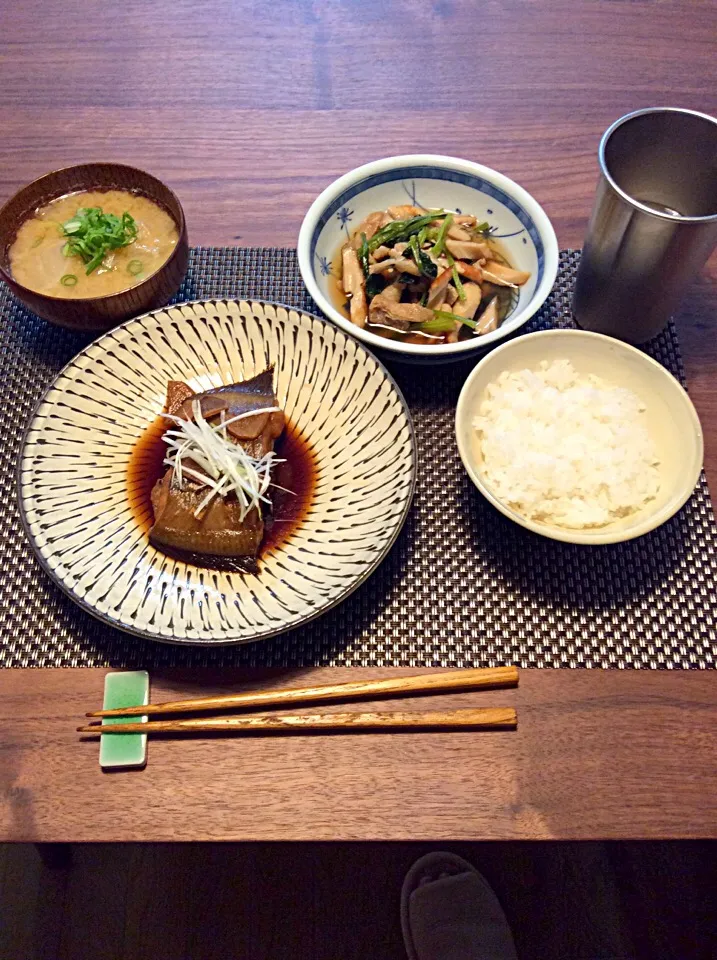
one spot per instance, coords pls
(430, 182)
(74, 484)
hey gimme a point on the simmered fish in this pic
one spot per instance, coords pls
(209, 505)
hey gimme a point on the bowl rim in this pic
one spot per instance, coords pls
(15, 284)
(567, 535)
(181, 641)
(452, 350)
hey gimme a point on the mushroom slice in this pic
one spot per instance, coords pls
(404, 212)
(393, 292)
(473, 250)
(437, 290)
(503, 275)
(465, 308)
(354, 285)
(456, 232)
(369, 226)
(398, 316)
(451, 294)
(404, 265)
(488, 320)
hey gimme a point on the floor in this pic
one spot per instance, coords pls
(340, 902)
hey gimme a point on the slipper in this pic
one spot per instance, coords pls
(449, 912)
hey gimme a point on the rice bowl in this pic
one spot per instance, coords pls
(667, 416)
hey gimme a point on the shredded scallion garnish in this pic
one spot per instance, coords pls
(92, 234)
(226, 467)
(134, 267)
(68, 280)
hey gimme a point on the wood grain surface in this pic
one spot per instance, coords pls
(601, 754)
(248, 109)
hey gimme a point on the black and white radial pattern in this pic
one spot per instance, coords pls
(73, 470)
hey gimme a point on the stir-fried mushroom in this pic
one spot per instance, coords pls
(401, 264)
(436, 291)
(465, 308)
(488, 320)
(398, 316)
(451, 294)
(369, 226)
(404, 212)
(473, 250)
(354, 285)
(503, 275)
(404, 265)
(393, 292)
(455, 232)
(427, 273)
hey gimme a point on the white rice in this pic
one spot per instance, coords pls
(570, 450)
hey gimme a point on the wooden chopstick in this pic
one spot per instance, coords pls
(502, 718)
(468, 679)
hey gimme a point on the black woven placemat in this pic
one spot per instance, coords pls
(463, 586)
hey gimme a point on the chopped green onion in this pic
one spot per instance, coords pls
(134, 267)
(95, 262)
(38, 240)
(482, 227)
(69, 280)
(445, 315)
(441, 239)
(93, 233)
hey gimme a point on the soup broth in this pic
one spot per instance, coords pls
(38, 262)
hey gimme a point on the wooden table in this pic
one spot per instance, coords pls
(248, 110)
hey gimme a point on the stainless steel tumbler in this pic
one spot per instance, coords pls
(654, 222)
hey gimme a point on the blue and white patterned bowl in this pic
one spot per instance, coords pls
(430, 181)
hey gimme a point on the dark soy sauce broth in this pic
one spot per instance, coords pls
(298, 473)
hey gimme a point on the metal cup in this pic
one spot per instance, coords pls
(654, 222)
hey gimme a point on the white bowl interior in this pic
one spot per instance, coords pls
(671, 420)
(430, 187)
